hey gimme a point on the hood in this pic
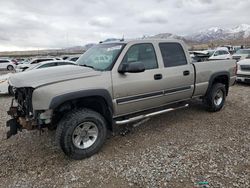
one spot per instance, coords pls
(45, 76)
(244, 62)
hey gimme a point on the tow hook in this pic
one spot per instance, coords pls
(14, 127)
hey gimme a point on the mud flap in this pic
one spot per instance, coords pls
(14, 127)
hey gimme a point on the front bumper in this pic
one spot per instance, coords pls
(243, 78)
(17, 123)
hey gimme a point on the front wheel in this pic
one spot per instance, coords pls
(216, 97)
(81, 133)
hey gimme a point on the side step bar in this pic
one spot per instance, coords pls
(137, 118)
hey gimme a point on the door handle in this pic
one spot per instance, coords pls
(158, 76)
(186, 73)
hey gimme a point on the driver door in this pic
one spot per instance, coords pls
(135, 92)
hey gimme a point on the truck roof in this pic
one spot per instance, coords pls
(143, 40)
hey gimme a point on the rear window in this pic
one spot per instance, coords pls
(172, 54)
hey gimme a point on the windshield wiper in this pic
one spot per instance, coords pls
(84, 65)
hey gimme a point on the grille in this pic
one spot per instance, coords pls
(236, 57)
(23, 98)
(245, 67)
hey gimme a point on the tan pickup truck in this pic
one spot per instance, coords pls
(115, 84)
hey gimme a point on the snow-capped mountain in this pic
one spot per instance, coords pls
(240, 32)
(166, 35)
(212, 34)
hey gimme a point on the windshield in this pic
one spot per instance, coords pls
(100, 57)
(210, 52)
(242, 51)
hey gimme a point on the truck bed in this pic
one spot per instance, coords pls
(204, 71)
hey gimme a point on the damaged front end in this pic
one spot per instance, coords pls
(21, 112)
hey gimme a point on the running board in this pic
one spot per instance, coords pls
(137, 118)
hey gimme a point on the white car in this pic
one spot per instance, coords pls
(219, 54)
(4, 85)
(243, 72)
(241, 54)
(7, 64)
(47, 64)
(28, 64)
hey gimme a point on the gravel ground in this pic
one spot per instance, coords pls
(178, 149)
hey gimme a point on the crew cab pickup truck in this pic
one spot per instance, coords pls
(115, 84)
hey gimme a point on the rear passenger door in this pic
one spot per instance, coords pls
(178, 73)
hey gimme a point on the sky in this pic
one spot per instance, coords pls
(36, 24)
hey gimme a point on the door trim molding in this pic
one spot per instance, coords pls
(161, 93)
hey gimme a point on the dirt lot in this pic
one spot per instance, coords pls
(177, 149)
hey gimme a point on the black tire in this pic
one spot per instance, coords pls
(10, 67)
(67, 126)
(211, 97)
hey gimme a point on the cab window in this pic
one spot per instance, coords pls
(143, 53)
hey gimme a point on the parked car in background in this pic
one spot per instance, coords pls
(24, 60)
(220, 54)
(199, 56)
(7, 64)
(243, 72)
(4, 85)
(47, 64)
(28, 64)
(241, 54)
(231, 49)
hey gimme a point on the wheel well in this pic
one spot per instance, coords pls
(222, 79)
(95, 103)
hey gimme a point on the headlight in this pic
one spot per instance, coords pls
(2, 81)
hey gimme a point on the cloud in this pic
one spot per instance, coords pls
(155, 17)
(101, 21)
(62, 23)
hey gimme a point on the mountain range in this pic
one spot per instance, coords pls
(212, 34)
(240, 33)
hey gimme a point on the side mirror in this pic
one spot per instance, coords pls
(133, 67)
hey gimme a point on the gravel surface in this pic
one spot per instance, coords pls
(178, 149)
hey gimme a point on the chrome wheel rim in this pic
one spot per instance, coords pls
(85, 135)
(218, 97)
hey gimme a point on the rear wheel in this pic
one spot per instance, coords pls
(216, 97)
(81, 133)
(10, 67)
